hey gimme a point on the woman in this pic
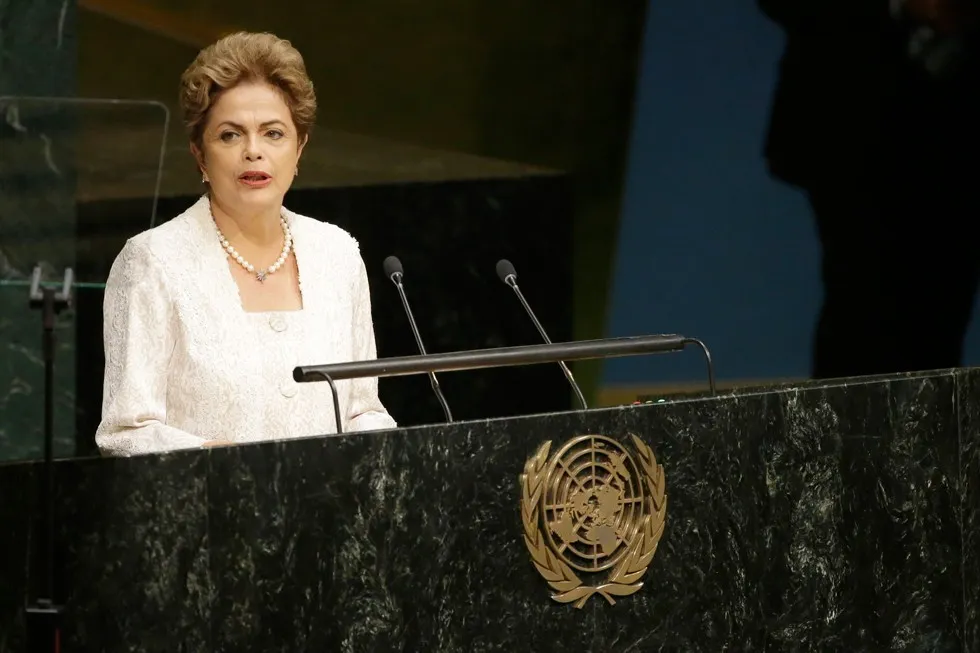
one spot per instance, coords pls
(207, 314)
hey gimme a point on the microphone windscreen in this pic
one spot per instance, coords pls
(505, 269)
(393, 266)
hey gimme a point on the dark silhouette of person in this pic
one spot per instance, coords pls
(876, 119)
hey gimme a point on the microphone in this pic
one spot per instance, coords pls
(507, 274)
(395, 272)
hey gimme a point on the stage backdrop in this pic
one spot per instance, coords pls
(709, 245)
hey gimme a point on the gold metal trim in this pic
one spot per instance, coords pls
(592, 507)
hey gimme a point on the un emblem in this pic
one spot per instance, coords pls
(591, 509)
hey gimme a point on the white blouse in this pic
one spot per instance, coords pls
(185, 363)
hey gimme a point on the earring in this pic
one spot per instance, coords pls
(204, 177)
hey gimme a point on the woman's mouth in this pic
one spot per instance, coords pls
(255, 178)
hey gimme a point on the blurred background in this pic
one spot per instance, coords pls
(612, 151)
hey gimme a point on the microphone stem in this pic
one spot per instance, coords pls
(411, 318)
(544, 335)
(433, 381)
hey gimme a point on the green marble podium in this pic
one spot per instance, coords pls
(825, 516)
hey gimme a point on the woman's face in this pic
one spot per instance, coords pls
(250, 148)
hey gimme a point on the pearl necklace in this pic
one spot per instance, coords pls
(261, 275)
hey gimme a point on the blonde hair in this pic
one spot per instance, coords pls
(241, 57)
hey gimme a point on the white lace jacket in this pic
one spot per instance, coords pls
(186, 363)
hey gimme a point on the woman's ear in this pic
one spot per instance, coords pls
(198, 156)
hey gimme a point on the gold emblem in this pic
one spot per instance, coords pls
(592, 509)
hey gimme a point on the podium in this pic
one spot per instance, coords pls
(838, 516)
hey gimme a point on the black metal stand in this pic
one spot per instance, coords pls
(336, 403)
(476, 359)
(498, 357)
(43, 614)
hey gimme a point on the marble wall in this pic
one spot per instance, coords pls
(38, 56)
(38, 47)
(820, 517)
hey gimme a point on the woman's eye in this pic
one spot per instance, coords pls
(227, 136)
(275, 134)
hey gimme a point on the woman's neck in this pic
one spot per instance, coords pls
(260, 228)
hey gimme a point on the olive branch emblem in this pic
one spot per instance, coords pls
(626, 576)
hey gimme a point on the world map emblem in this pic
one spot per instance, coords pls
(593, 515)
